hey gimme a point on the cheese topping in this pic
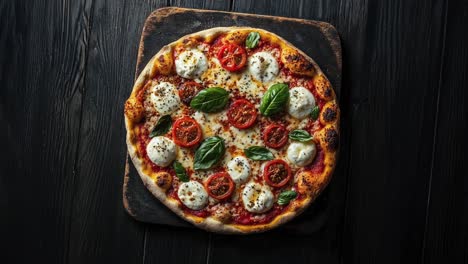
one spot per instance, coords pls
(193, 195)
(191, 64)
(301, 154)
(257, 198)
(161, 151)
(165, 98)
(301, 102)
(263, 66)
(239, 169)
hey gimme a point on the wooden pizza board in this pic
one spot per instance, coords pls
(317, 39)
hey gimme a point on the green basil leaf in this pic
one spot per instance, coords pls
(209, 153)
(315, 112)
(274, 99)
(258, 153)
(180, 172)
(286, 196)
(300, 135)
(210, 100)
(162, 127)
(252, 40)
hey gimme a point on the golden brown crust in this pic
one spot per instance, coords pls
(296, 62)
(134, 109)
(163, 180)
(323, 87)
(308, 183)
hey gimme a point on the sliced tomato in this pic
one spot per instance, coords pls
(277, 173)
(220, 186)
(188, 90)
(242, 114)
(186, 132)
(232, 57)
(275, 136)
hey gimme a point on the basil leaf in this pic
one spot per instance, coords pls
(180, 172)
(162, 127)
(209, 153)
(210, 100)
(252, 40)
(258, 153)
(286, 196)
(315, 112)
(300, 135)
(274, 99)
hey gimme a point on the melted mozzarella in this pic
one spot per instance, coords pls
(161, 151)
(301, 154)
(263, 66)
(191, 64)
(249, 87)
(165, 98)
(217, 75)
(257, 198)
(239, 169)
(193, 195)
(301, 102)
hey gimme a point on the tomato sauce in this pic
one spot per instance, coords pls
(247, 218)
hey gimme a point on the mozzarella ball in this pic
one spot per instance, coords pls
(257, 198)
(191, 64)
(239, 169)
(301, 154)
(165, 98)
(301, 102)
(193, 195)
(263, 66)
(161, 151)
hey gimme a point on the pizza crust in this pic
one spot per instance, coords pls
(295, 60)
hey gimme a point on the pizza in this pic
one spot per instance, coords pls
(233, 128)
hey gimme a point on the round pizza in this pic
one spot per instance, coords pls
(233, 128)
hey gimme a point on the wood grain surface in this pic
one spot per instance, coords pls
(65, 67)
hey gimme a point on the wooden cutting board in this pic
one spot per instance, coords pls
(317, 39)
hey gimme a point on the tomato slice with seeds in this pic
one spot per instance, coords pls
(242, 114)
(188, 90)
(186, 132)
(277, 173)
(220, 186)
(232, 57)
(275, 136)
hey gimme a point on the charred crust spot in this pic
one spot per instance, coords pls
(331, 139)
(161, 181)
(298, 63)
(161, 58)
(185, 41)
(292, 58)
(329, 114)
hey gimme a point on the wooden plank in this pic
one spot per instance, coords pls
(165, 244)
(44, 49)
(206, 4)
(286, 8)
(447, 217)
(101, 230)
(393, 116)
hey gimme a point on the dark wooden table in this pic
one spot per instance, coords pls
(66, 68)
